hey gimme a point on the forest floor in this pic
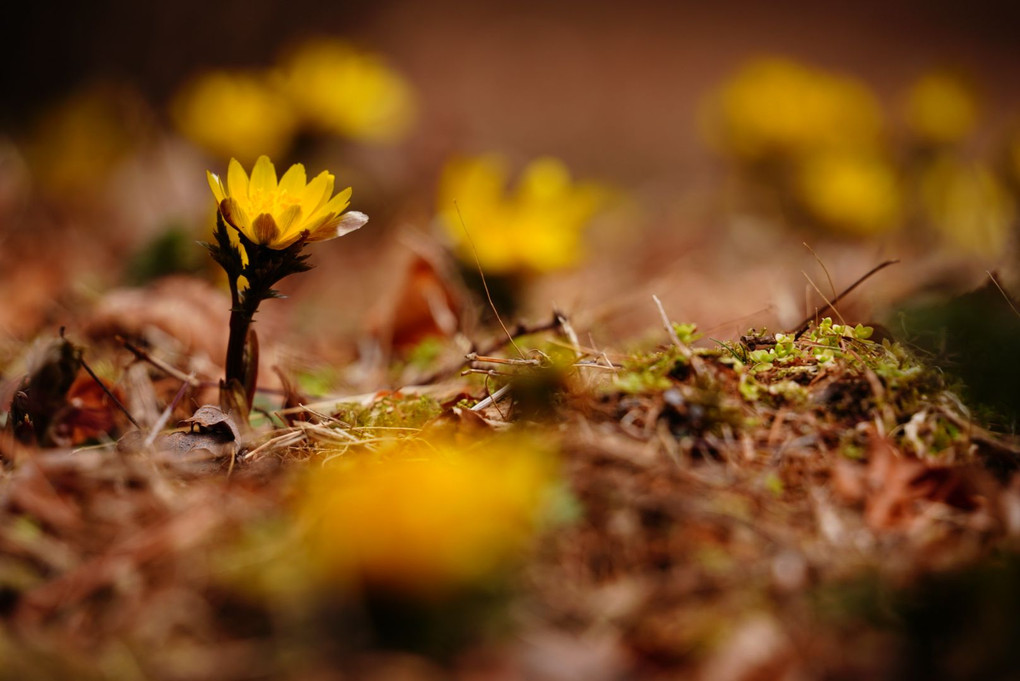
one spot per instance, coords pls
(815, 504)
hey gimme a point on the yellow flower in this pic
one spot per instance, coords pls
(234, 114)
(968, 206)
(941, 108)
(277, 214)
(853, 193)
(79, 142)
(776, 106)
(348, 92)
(536, 228)
(431, 517)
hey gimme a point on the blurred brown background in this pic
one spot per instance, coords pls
(611, 86)
(615, 90)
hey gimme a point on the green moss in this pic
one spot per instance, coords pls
(171, 252)
(652, 372)
(392, 411)
(424, 354)
(774, 484)
(686, 333)
(319, 380)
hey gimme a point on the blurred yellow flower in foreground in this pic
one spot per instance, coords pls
(941, 108)
(536, 228)
(349, 92)
(968, 205)
(430, 519)
(277, 214)
(234, 114)
(776, 106)
(852, 193)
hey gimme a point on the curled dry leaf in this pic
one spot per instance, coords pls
(213, 420)
(424, 303)
(42, 393)
(196, 447)
(213, 434)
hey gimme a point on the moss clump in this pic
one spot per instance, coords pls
(652, 372)
(392, 411)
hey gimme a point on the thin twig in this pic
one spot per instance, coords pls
(113, 398)
(285, 440)
(983, 437)
(484, 372)
(493, 346)
(803, 326)
(475, 357)
(684, 349)
(568, 331)
(492, 399)
(485, 284)
(165, 416)
(832, 286)
(1005, 295)
(668, 325)
(828, 305)
(141, 354)
(594, 364)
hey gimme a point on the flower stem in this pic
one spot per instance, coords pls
(240, 322)
(261, 268)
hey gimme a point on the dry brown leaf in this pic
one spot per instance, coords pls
(424, 303)
(89, 413)
(31, 492)
(190, 310)
(757, 650)
(900, 485)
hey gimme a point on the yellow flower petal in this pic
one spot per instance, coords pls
(263, 177)
(294, 180)
(288, 217)
(339, 202)
(316, 193)
(237, 181)
(234, 215)
(350, 222)
(327, 190)
(216, 184)
(265, 229)
(326, 229)
(338, 225)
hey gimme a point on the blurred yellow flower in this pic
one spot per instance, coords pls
(941, 108)
(277, 214)
(853, 193)
(776, 106)
(536, 228)
(348, 92)
(234, 114)
(968, 205)
(77, 143)
(430, 518)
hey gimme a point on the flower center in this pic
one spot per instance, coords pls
(272, 202)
